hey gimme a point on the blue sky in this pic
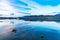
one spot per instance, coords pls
(48, 2)
(29, 7)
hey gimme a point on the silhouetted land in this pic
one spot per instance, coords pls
(41, 18)
(36, 18)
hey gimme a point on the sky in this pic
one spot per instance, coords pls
(15, 8)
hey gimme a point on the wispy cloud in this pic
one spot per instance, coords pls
(28, 7)
(6, 8)
(38, 9)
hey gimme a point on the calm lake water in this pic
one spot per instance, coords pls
(28, 30)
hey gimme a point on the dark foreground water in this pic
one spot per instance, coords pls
(29, 30)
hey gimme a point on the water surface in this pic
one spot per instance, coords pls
(28, 30)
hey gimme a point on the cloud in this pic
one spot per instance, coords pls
(20, 6)
(18, 2)
(28, 7)
(38, 9)
(6, 8)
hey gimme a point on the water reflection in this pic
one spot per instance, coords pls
(27, 30)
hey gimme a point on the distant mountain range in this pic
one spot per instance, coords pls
(57, 15)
